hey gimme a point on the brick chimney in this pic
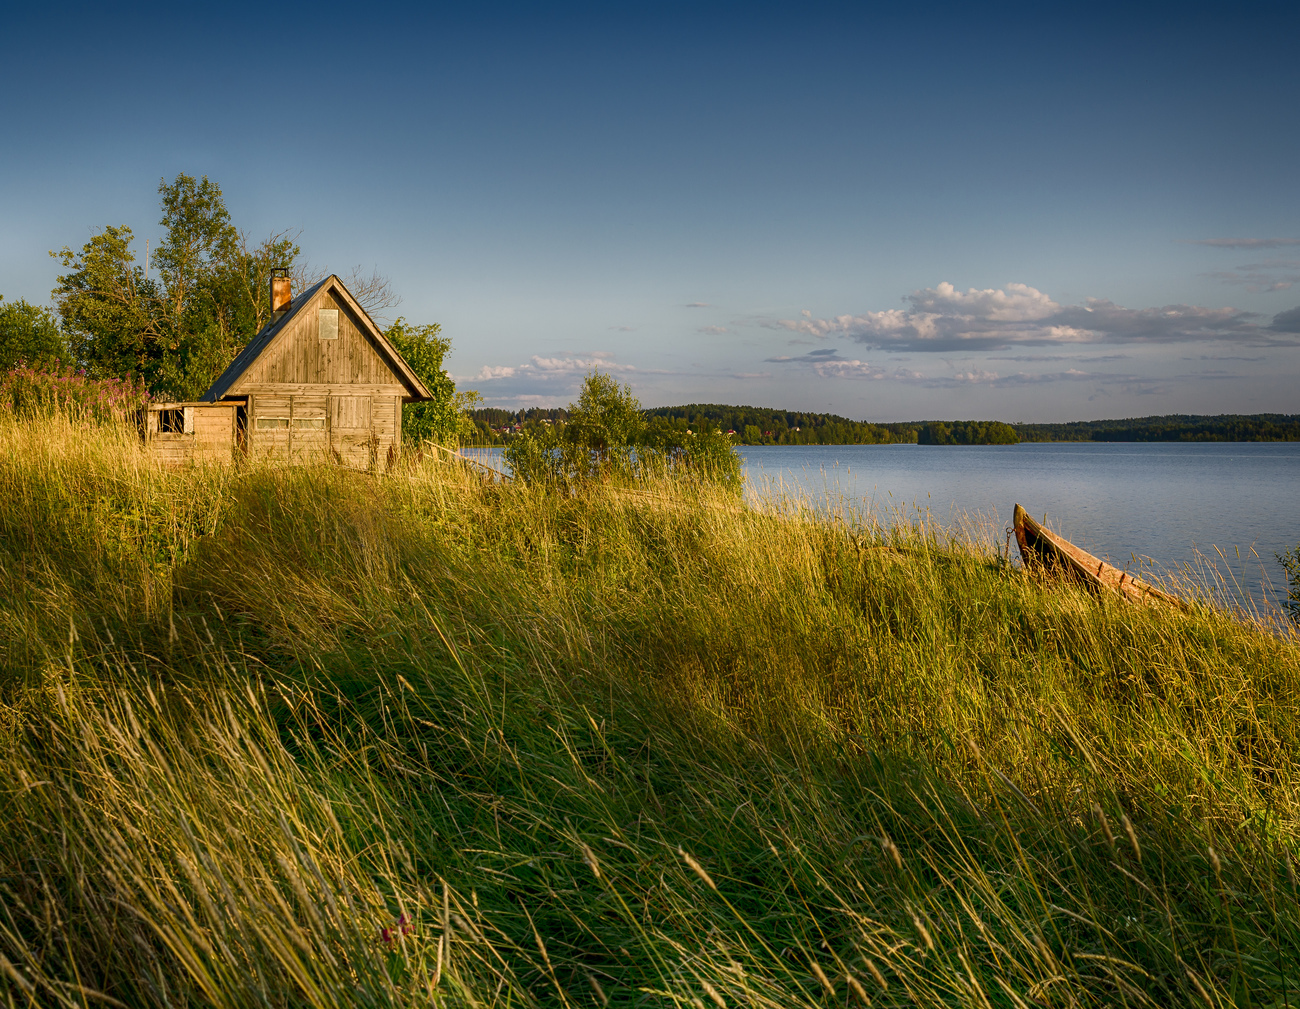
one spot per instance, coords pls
(281, 291)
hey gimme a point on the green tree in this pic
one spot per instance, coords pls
(30, 334)
(180, 328)
(606, 417)
(607, 435)
(442, 420)
(108, 309)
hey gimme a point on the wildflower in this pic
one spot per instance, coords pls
(403, 926)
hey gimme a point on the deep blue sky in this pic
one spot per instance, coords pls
(966, 212)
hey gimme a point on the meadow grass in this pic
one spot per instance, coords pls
(309, 737)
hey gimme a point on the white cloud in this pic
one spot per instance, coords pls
(713, 330)
(574, 365)
(976, 376)
(490, 371)
(1017, 303)
(544, 368)
(945, 319)
(698, 304)
(850, 369)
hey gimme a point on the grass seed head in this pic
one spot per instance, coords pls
(712, 992)
(697, 868)
(820, 975)
(922, 930)
(875, 973)
(1105, 824)
(589, 857)
(1132, 836)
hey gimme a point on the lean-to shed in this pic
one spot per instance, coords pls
(320, 382)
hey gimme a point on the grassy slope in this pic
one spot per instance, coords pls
(644, 747)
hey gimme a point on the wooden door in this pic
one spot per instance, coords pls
(309, 429)
(351, 431)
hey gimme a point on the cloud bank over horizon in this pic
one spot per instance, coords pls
(944, 339)
(944, 319)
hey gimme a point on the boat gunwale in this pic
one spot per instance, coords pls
(1039, 547)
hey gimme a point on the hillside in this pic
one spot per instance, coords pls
(310, 737)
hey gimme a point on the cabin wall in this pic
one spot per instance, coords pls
(191, 432)
(359, 426)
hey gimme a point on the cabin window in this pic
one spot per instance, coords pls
(309, 423)
(327, 322)
(171, 421)
(272, 423)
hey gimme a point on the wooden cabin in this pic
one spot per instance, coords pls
(321, 382)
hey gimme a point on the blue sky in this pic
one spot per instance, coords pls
(1017, 212)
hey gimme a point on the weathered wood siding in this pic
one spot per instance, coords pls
(313, 399)
(208, 432)
(356, 425)
(300, 357)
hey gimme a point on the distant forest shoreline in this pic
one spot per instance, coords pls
(762, 426)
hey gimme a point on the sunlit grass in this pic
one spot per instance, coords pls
(314, 737)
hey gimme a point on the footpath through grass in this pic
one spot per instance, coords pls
(305, 737)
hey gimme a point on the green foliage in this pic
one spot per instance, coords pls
(28, 392)
(607, 436)
(439, 420)
(30, 335)
(110, 312)
(307, 737)
(1290, 561)
(967, 432)
(607, 417)
(181, 327)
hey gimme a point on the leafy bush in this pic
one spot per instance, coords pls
(1290, 562)
(29, 334)
(607, 437)
(39, 391)
(443, 419)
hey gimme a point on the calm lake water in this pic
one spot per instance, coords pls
(1157, 506)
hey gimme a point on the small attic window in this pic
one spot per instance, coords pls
(327, 321)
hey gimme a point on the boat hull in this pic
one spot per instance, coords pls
(1043, 550)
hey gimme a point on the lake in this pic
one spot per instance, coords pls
(1171, 503)
(1158, 506)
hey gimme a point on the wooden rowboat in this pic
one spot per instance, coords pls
(1043, 550)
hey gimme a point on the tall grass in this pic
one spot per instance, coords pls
(313, 737)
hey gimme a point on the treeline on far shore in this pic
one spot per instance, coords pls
(1173, 427)
(761, 426)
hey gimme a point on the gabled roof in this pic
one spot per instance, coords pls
(264, 340)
